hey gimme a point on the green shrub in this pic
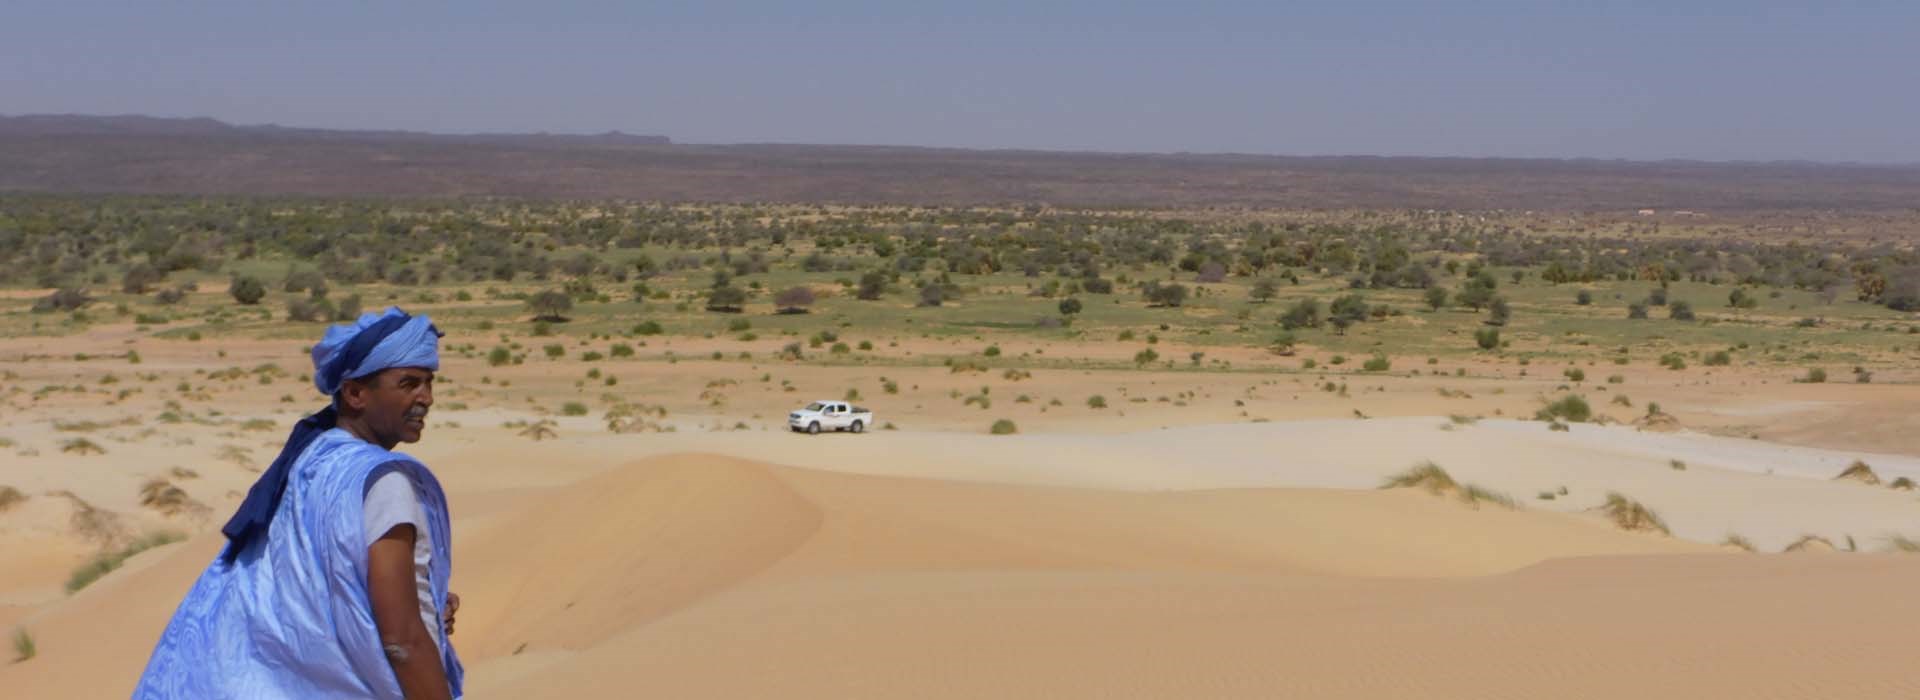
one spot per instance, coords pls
(1719, 358)
(498, 356)
(1572, 407)
(1575, 374)
(1096, 401)
(573, 408)
(620, 350)
(1377, 363)
(1003, 427)
(555, 350)
(1487, 338)
(647, 328)
(1815, 375)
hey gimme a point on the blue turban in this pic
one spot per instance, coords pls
(375, 342)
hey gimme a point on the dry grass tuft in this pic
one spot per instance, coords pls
(1860, 472)
(10, 497)
(1811, 543)
(95, 524)
(169, 499)
(1901, 484)
(1425, 475)
(82, 446)
(539, 430)
(105, 562)
(1657, 423)
(23, 646)
(1630, 515)
(1734, 541)
(1902, 543)
(1475, 495)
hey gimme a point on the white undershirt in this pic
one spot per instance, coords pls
(391, 502)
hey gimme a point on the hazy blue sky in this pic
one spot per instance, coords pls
(1710, 79)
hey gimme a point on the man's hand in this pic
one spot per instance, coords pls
(453, 606)
(409, 647)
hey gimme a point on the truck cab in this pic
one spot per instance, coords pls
(829, 415)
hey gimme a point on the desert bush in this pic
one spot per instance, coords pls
(1680, 311)
(1487, 338)
(1096, 401)
(1003, 427)
(1574, 374)
(932, 294)
(647, 328)
(1377, 363)
(499, 355)
(247, 289)
(1499, 312)
(573, 408)
(726, 299)
(1814, 375)
(1169, 294)
(794, 300)
(1637, 310)
(1304, 313)
(1583, 297)
(1145, 356)
(66, 299)
(1070, 306)
(1436, 298)
(1571, 407)
(1738, 542)
(309, 310)
(1263, 291)
(23, 646)
(139, 278)
(1719, 358)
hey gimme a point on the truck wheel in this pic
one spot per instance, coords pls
(857, 427)
(813, 428)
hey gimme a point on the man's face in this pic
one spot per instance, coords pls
(394, 403)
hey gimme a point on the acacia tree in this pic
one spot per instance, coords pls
(550, 306)
(1264, 291)
(726, 299)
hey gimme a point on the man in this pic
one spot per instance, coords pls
(333, 583)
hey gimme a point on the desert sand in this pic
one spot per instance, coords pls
(1229, 541)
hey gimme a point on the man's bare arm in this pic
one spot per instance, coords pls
(396, 614)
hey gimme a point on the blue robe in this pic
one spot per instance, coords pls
(290, 617)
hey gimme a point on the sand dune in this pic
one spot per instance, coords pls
(713, 576)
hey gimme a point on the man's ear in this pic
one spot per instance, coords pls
(353, 395)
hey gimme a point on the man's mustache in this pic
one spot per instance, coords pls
(417, 412)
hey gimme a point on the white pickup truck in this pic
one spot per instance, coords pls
(830, 415)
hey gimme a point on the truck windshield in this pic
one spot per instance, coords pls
(816, 406)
